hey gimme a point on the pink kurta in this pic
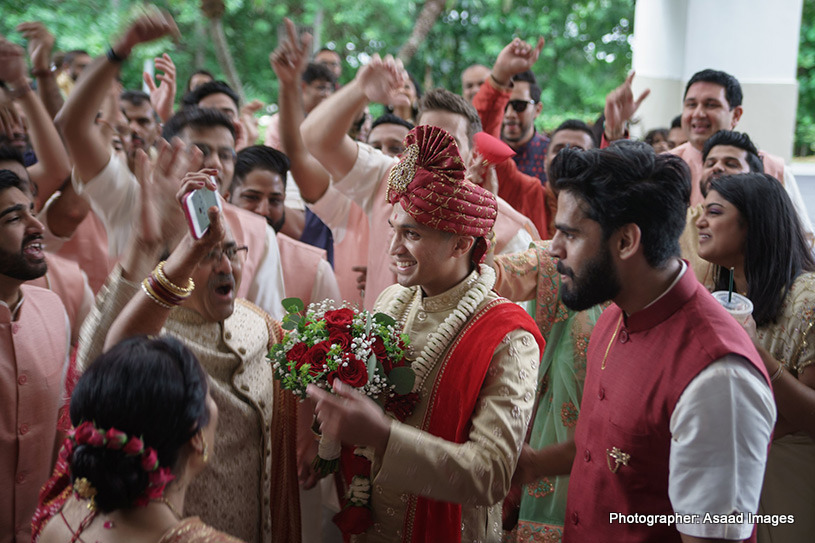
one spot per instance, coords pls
(65, 279)
(88, 247)
(33, 353)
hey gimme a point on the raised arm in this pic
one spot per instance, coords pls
(620, 107)
(53, 166)
(289, 61)
(146, 313)
(85, 144)
(40, 46)
(325, 130)
(162, 97)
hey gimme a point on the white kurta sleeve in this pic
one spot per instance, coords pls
(361, 184)
(721, 429)
(114, 197)
(478, 471)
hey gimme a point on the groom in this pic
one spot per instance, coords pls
(440, 475)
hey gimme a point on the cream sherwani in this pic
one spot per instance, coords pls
(233, 493)
(476, 473)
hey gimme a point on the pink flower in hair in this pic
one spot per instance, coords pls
(116, 439)
(87, 434)
(149, 460)
(134, 446)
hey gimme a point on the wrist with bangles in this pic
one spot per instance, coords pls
(774, 377)
(164, 292)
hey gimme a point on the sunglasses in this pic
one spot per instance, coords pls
(520, 105)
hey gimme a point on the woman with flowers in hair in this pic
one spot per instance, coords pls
(144, 426)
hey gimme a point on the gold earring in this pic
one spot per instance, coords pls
(205, 452)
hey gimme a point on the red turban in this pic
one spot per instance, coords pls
(428, 181)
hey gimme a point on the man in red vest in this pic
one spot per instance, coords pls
(439, 473)
(677, 411)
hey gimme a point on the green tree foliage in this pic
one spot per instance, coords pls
(805, 125)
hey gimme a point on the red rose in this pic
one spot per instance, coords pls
(316, 357)
(133, 447)
(381, 353)
(330, 377)
(353, 371)
(354, 520)
(296, 353)
(116, 439)
(341, 337)
(339, 317)
(149, 460)
(87, 434)
(402, 406)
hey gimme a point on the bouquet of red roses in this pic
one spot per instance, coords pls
(363, 350)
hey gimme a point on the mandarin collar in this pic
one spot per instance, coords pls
(665, 305)
(448, 299)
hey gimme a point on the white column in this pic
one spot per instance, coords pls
(754, 40)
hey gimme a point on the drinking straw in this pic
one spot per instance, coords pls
(730, 288)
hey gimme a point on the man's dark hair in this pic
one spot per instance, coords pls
(573, 124)
(534, 89)
(390, 118)
(199, 71)
(732, 87)
(443, 100)
(198, 118)
(135, 97)
(677, 121)
(71, 55)
(10, 153)
(152, 388)
(316, 71)
(193, 97)
(652, 135)
(326, 49)
(9, 180)
(628, 182)
(735, 139)
(259, 157)
(775, 250)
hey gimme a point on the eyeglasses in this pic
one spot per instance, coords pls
(520, 105)
(225, 154)
(231, 252)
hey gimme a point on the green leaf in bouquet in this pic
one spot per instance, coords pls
(402, 378)
(288, 324)
(368, 324)
(384, 319)
(293, 305)
(371, 366)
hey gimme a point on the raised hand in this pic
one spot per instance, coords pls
(291, 57)
(12, 64)
(152, 25)
(249, 123)
(162, 96)
(518, 56)
(40, 44)
(620, 107)
(382, 80)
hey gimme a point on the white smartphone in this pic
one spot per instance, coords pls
(196, 204)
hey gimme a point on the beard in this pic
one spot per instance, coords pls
(17, 266)
(597, 282)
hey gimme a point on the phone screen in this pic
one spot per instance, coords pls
(196, 205)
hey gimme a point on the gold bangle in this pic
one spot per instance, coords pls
(182, 292)
(777, 373)
(145, 286)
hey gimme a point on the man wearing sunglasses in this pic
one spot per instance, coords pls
(518, 129)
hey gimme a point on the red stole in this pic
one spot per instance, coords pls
(453, 401)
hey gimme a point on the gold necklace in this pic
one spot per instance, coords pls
(613, 337)
(172, 508)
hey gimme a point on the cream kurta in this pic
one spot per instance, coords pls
(789, 481)
(233, 493)
(476, 473)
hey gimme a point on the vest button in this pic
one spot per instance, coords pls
(23, 379)
(601, 393)
(23, 429)
(587, 456)
(228, 335)
(575, 518)
(20, 479)
(15, 328)
(623, 336)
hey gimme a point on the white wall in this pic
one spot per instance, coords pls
(754, 40)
